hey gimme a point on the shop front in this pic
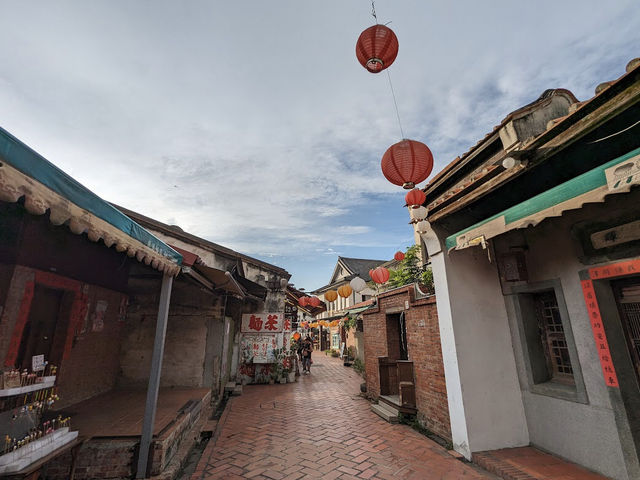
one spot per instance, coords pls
(535, 249)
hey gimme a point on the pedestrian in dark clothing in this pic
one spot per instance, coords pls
(307, 347)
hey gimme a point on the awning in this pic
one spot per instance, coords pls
(218, 279)
(25, 173)
(355, 311)
(254, 289)
(616, 176)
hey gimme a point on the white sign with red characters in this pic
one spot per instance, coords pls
(262, 322)
(260, 347)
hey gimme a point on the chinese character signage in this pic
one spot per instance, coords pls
(259, 347)
(262, 323)
(623, 175)
(629, 267)
(595, 319)
(37, 363)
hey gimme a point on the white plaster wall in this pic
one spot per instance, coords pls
(209, 258)
(585, 434)
(485, 404)
(459, 433)
(493, 406)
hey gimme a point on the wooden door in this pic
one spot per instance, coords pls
(628, 297)
(40, 329)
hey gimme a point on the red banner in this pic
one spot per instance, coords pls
(615, 270)
(600, 337)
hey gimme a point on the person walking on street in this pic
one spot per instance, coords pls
(307, 347)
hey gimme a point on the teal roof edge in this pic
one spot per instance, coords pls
(34, 165)
(583, 183)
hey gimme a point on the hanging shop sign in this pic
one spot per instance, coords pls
(260, 347)
(262, 323)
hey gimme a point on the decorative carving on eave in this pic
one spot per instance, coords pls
(38, 199)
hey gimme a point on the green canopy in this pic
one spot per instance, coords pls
(16, 154)
(616, 176)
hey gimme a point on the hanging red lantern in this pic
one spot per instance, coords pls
(399, 256)
(415, 198)
(407, 163)
(377, 48)
(314, 302)
(380, 275)
(303, 301)
(371, 273)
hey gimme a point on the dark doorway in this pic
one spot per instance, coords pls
(627, 294)
(39, 336)
(324, 339)
(397, 337)
(627, 363)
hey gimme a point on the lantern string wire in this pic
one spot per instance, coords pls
(395, 103)
(373, 10)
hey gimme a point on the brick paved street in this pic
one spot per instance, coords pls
(319, 428)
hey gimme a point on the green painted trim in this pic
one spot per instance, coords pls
(579, 185)
(358, 309)
(34, 165)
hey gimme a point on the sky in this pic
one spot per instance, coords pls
(251, 123)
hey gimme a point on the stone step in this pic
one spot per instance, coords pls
(230, 387)
(389, 408)
(237, 391)
(386, 414)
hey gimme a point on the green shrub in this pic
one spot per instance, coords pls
(358, 366)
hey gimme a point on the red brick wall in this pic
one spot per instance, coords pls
(424, 348)
(97, 459)
(93, 364)
(90, 362)
(186, 337)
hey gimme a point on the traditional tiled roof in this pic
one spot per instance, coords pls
(446, 189)
(360, 266)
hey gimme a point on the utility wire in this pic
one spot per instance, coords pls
(617, 133)
(395, 103)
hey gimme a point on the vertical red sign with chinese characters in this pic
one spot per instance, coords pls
(602, 345)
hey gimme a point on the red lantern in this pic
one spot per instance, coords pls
(407, 163)
(377, 48)
(415, 198)
(371, 273)
(314, 302)
(380, 275)
(399, 256)
(303, 301)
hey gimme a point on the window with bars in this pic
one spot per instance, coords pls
(552, 337)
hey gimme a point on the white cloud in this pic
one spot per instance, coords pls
(251, 123)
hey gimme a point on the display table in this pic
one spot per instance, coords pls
(27, 455)
(47, 382)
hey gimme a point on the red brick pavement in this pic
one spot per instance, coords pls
(320, 428)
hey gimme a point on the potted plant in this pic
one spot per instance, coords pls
(349, 357)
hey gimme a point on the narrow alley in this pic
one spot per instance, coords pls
(319, 427)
